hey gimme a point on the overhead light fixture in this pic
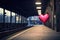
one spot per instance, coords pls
(37, 3)
(39, 12)
(38, 7)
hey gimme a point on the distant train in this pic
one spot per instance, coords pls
(11, 21)
(33, 20)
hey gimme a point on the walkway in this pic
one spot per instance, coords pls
(38, 32)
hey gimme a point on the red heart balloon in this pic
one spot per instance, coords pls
(44, 18)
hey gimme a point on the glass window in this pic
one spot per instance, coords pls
(17, 18)
(34, 20)
(24, 20)
(13, 17)
(7, 16)
(1, 15)
(20, 19)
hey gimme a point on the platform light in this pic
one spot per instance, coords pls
(37, 3)
(38, 7)
(39, 12)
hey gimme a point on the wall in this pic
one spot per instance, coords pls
(50, 10)
(57, 5)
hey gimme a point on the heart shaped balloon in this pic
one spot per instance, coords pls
(44, 18)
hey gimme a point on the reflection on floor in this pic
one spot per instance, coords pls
(38, 32)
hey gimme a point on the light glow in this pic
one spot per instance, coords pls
(13, 14)
(1, 10)
(7, 12)
(38, 7)
(37, 3)
(39, 12)
(54, 16)
(17, 18)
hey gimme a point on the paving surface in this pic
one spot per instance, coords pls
(38, 32)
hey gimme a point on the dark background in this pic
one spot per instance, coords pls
(23, 7)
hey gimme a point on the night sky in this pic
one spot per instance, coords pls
(22, 7)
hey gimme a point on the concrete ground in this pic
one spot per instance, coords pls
(37, 32)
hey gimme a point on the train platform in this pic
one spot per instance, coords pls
(37, 32)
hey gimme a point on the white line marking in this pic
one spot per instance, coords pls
(18, 34)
